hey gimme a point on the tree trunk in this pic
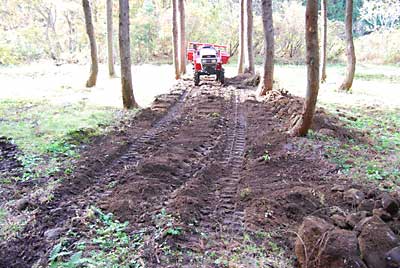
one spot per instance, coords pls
(303, 125)
(241, 38)
(94, 68)
(182, 36)
(111, 70)
(175, 40)
(125, 53)
(324, 11)
(267, 78)
(249, 36)
(350, 53)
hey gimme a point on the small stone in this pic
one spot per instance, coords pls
(22, 204)
(354, 195)
(389, 204)
(366, 205)
(339, 220)
(52, 234)
(338, 188)
(354, 218)
(393, 258)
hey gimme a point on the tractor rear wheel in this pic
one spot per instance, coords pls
(222, 77)
(196, 79)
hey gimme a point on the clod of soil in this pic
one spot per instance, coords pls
(375, 240)
(9, 163)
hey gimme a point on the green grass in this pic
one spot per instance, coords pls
(105, 242)
(378, 77)
(377, 157)
(35, 126)
(47, 134)
(108, 245)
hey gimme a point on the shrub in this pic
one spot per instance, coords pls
(379, 47)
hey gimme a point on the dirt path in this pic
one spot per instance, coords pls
(216, 161)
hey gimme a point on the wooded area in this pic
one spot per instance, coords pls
(233, 133)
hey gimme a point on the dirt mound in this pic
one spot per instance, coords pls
(368, 236)
(288, 108)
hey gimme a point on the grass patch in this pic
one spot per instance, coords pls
(105, 242)
(35, 126)
(107, 245)
(378, 158)
(47, 134)
(378, 77)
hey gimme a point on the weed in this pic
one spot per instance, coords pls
(110, 245)
(167, 225)
(215, 115)
(266, 157)
(245, 193)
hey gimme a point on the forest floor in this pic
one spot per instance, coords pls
(204, 177)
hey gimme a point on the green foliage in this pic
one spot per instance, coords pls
(166, 224)
(32, 30)
(109, 246)
(266, 157)
(377, 161)
(47, 133)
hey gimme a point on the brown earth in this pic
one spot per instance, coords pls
(217, 159)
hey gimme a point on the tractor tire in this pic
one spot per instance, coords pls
(222, 77)
(196, 79)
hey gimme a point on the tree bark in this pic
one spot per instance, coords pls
(182, 36)
(175, 40)
(350, 53)
(125, 52)
(303, 125)
(111, 70)
(324, 11)
(94, 68)
(267, 78)
(241, 39)
(249, 38)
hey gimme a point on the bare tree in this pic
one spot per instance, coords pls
(241, 38)
(267, 78)
(175, 40)
(304, 123)
(125, 52)
(350, 53)
(249, 38)
(324, 11)
(94, 69)
(182, 36)
(111, 70)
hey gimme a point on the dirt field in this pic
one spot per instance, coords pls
(207, 177)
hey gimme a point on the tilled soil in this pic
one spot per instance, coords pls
(216, 159)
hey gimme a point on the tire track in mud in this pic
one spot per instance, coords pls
(211, 194)
(176, 161)
(81, 190)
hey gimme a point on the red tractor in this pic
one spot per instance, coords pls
(207, 59)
